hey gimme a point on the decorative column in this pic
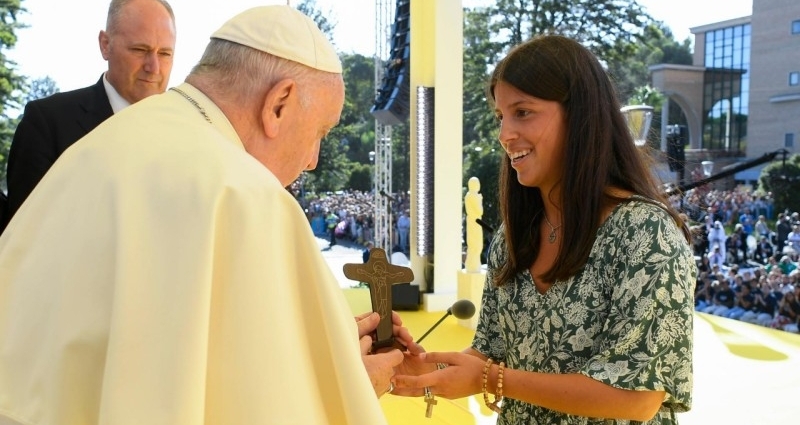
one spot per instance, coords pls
(437, 62)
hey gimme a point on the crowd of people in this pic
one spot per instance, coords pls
(350, 216)
(747, 257)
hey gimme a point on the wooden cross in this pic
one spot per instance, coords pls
(380, 275)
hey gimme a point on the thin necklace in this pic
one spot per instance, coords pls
(194, 102)
(552, 237)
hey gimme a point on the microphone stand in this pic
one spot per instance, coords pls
(449, 312)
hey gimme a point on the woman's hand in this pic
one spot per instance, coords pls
(462, 377)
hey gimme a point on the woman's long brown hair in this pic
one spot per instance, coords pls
(599, 153)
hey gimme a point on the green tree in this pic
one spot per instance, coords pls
(345, 151)
(333, 167)
(480, 55)
(11, 83)
(401, 157)
(628, 65)
(359, 80)
(783, 180)
(361, 178)
(347, 146)
(40, 87)
(600, 25)
(482, 152)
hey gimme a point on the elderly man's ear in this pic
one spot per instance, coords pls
(280, 99)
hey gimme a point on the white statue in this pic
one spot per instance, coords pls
(473, 204)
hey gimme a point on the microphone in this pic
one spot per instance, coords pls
(462, 309)
(386, 195)
(485, 225)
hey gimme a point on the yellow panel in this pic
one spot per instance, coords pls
(423, 45)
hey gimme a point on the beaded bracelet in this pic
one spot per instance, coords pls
(485, 380)
(499, 388)
(494, 405)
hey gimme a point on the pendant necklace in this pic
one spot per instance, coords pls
(552, 237)
(197, 105)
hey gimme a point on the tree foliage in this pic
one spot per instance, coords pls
(481, 151)
(346, 149)
(11, 83)
(600, 25)
(348, 144)
(361, 178)
(39, 88)
(629, 67)
(480, 55)
(783, 180)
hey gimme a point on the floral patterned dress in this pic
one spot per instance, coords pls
(625, 319)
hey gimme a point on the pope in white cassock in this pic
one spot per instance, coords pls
(161, 274)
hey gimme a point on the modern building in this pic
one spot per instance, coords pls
(741, 95)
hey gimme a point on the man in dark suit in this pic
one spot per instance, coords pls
(138, 44)
(3, 206)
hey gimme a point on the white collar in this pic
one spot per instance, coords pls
(117, 102)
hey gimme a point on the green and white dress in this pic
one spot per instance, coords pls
(625, 319)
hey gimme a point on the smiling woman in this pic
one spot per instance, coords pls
(587, 306)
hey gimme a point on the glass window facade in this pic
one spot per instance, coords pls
(796, 27)
(726, 93)
(794, 78)
(788, 140)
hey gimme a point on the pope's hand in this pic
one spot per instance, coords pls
(368, 322)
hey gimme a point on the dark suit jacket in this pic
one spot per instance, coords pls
(3, 207)
(48, 127)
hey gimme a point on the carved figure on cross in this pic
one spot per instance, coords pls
(379, 275)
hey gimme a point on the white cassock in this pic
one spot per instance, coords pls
(159, 274)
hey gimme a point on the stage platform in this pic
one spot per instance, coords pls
(743, 375)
